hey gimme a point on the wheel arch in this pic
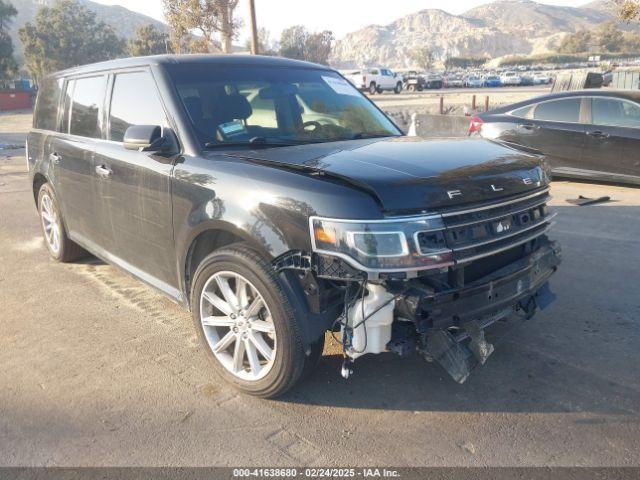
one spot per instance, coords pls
(207, 239)
(212, 237)
(39, 179)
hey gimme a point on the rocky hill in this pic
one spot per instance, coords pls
(504, 27)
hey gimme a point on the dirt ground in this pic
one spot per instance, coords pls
(98, 369)
(456, 100)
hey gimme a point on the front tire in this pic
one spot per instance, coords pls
(246, 320)
(60, 246)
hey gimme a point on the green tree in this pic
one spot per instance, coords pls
(266, 46)
(610, 38)
(228, 25)
(296, 42)
(207, 17)
(578, 42)
(65, 35)
(317, 48)
(421, 57)
(464, 62)
(292, 42)
(631, 42)
(7, 12)
(8, 65)
(627, 10)
(148, 41)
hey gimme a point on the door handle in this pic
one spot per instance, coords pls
(598, 134)
(55, 158)
(103, 171)
(529, 126)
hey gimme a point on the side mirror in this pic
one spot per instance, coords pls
(144, 138)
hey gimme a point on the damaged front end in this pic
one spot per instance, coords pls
(449, 323)
(431, 285)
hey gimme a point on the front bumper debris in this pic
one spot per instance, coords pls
(450, 325)
(442, 323)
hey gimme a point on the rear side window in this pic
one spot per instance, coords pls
(565, 110)
(88, 97)
(134, 101)
(46, 115)
(615, 113)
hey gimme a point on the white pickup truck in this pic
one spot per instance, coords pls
(375, 80)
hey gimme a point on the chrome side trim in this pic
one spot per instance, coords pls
(509, 235)
(495, 205)
(410, 218)
(506, 247)
(488, 219)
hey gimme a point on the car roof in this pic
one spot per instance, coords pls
(633, 95)
(190, 59)
(594, 92)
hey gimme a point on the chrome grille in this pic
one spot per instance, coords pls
(484, 230)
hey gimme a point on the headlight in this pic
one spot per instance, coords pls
(415, 243)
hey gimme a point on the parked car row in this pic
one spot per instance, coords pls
(379, 79)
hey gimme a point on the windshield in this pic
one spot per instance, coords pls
(274, 105)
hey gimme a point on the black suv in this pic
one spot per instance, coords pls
(277, 203)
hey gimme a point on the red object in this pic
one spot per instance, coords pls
(14, 100)
(475, 125)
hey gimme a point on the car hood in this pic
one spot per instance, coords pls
(411, 174)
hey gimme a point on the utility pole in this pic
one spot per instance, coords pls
(254, 28)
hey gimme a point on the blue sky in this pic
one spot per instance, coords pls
(340, 16)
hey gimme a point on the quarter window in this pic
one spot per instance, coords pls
(134, 102)
(88, 96)
(46, 115)
(66, 105)
(615, 113)
(523, 112)
(565, 110)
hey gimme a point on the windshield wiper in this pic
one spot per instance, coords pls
(261, 142)
(361, 135)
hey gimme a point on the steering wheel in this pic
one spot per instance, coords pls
(311, 123)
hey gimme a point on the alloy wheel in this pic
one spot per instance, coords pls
(50, 223)
(238, 325)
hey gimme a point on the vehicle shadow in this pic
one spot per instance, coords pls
(578, 355)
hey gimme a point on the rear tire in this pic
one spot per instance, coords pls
(373, 89)
(398, 88)
(228, 324)
(60, 246)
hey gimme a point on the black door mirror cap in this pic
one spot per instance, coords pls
(144, 138)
